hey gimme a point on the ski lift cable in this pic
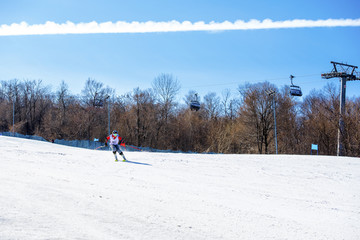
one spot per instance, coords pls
(259, 80)
(235, 91)
(301, 83)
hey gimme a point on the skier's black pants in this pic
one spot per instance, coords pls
(116, 148)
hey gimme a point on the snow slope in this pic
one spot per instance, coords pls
(50, 191)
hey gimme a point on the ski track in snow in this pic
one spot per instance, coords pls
(50, 191)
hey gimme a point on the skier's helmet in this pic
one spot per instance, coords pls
(114, 132)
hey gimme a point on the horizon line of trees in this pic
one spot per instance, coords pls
(242, 123)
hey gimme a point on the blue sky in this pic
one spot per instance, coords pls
(203, 61)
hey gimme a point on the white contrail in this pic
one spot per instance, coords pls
(51, 28)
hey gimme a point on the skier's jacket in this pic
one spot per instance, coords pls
(114, 140)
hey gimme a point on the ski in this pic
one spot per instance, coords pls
(124, 159)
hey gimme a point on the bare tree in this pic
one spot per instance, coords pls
(141, 117)
(63, 98)
(256, 115)
(226, 94)
(320, 119)
(94, 93)
(289, 136)
(229, 105)
(36, 99)
(93, 97)
(352, 122)
(9, 96)
(212, 105)
(165, 87)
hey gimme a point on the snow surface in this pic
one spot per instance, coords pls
(50, 191)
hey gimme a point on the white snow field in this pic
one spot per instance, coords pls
(50, 191)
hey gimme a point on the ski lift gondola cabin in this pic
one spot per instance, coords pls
(294, 90)
(195, 104)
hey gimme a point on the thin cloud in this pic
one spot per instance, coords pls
(51, 28)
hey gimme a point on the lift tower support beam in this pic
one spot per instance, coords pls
(345, 72)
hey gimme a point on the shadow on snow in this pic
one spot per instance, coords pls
(127, 161)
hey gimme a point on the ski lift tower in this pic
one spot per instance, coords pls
(272, 93)
(345, 72)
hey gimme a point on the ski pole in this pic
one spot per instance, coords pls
(123, 144)
(99, 147)
(135, 148)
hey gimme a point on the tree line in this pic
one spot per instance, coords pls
(240, 123)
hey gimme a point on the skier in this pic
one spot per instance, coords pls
(115, 140)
